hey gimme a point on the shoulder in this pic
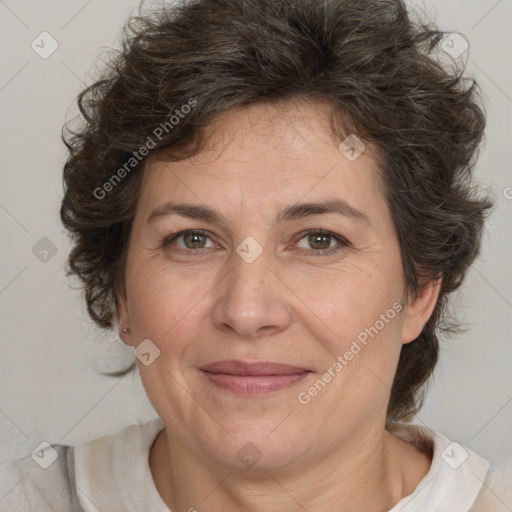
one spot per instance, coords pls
(458, 479)
(496, 492)
(42, 482)
(109, 469)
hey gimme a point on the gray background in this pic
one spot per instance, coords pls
(50, 389)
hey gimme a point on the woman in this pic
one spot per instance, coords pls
(272, 201)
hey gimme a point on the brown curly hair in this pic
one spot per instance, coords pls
(367, 58)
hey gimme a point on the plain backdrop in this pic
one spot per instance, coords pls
(50, 388)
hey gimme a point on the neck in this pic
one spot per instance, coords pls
(371, 473)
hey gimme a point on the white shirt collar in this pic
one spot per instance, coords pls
(113, 474)
(454, 479)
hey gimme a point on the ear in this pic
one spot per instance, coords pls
(123, 318)
(418, 310)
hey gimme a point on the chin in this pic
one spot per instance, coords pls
(257, 446)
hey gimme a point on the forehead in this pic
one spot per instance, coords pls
(265, 154)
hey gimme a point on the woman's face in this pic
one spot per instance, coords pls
(257, 284)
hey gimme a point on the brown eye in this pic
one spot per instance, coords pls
(191, 240)
(322, 242)
(194, 241)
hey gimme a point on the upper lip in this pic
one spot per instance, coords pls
(234, 367)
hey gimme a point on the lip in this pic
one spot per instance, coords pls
(253, 378)
(234, 367)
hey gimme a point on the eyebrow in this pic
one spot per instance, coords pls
(293, 212)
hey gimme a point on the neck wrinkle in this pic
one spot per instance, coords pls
(382, 480)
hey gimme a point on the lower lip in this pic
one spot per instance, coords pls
(254, 384)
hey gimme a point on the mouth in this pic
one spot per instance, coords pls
(253, 378)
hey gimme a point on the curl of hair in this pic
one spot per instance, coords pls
(367, 58)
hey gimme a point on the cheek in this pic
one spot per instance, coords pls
(159, 298)
(350, 298)
(357, 316)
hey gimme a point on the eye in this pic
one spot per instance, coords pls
(322, 241)
(193, 239)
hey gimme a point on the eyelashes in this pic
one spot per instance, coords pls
(319, 233)
(312, 236)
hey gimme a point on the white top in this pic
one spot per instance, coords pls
(115, 471)
(112, 474)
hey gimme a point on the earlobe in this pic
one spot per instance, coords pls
(123, 320)
(419, 310)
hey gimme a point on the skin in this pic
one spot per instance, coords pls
(290, 305)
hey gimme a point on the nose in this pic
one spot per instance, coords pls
(251, 299)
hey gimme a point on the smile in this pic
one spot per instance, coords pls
(253, 378)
